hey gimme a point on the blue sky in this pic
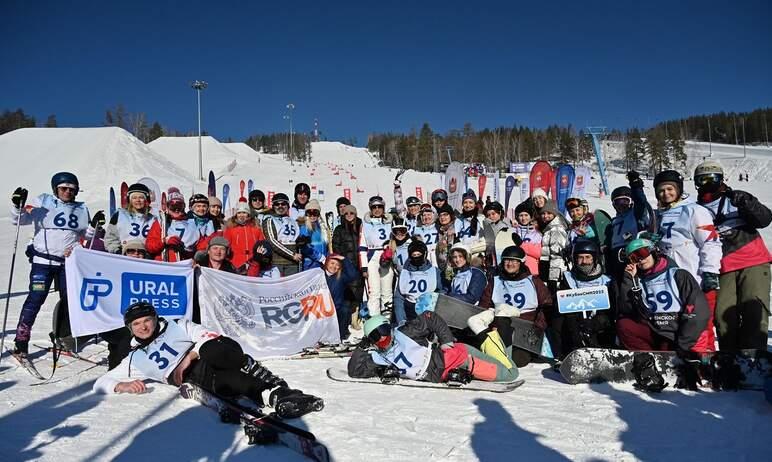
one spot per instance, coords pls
(364, 67)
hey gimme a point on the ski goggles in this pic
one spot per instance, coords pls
(639, 255)
(710, 178)
(439, 196)
(384, 330)
(573, 203)
(176, 206)
(312, 213)
(622, 201)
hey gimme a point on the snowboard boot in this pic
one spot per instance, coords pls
(725, 373)
(291, 404)
(265, 378)
(494, 347)
(460, 376)
(647, 377)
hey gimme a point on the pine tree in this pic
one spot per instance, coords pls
(51, 121)
(656, 150)
(156, 131)
(424, 153)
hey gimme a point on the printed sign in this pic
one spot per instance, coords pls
(584, 299)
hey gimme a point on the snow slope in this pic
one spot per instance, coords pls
(100, 157)
(545, 419)
(183, 152)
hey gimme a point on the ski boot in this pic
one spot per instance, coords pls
(291, 404)
(21, 348)
(647, 377)
(459, 377)
(725, 373)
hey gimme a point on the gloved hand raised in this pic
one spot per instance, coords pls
(634, 179)
(19, 197)
(174, 242)
(98, 220)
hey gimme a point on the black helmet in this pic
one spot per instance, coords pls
(138, 310)
(198, 199)
(256, 194)
(280, 197)
(513, 252)
(585, 246)
(302, 188)
(622, 191)
(64, 178)
(412, 200)
(493, 206)
(342, 200)
(669, 176)
(398, 223)
(138, 188)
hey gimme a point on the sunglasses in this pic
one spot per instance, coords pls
(312, 213)
(376, 206)
(281, 204)
(255, 199)
(639, 255)
(66, 188)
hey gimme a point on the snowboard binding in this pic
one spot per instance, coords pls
(647, 377)
(459, 377)
(260, 435)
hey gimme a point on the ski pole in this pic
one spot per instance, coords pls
(10, 279)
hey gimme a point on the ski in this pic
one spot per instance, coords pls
(73, 355)
(124, 195)
(260, 428)
(26, 364)
(112, 202)
(341, 375)
(212, 186)
(325, 351)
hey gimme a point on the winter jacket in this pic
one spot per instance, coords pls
(421, 330)
(373, 237)
(157, 360)
(689, 238)
(316, 250)
(553, 243)
(338, 283)
(738, 216)
(284, 248)
(531, 245)
(468, 285)
(127, 225)
(242, 239)
(446, 237)
(671, 301)
(502, 307)
(181, 227)
(345, 241)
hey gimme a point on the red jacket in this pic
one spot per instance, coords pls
(242, 238)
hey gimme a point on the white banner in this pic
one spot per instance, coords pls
(100, 286)
(269, 317)
(455, 182)
(581, 180)
(525, 188)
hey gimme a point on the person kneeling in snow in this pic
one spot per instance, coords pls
(408, 352)
(181, 351)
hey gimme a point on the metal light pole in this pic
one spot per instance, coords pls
(199, 85)
(290, 107)
(710, 142)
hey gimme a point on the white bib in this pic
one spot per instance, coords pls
(133, 226)
(412, 284)
(520, 294)
(411, 358)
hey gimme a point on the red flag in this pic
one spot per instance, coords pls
(270, 198)
(481, 186)
(419, 192)
(347, 193)
(541, 176)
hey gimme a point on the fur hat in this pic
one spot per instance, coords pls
(539, 192)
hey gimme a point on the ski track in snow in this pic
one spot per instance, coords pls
(545, 419)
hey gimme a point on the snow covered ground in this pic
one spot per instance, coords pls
(545, 419)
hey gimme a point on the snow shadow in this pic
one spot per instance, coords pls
(198, 434)
(695, 426)
(498, 437)
(22, 426)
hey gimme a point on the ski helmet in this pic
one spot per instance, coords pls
(138, 188)
(439, 195)
(256, 194)
(198, 199)
(412, 200)
(638, 244)
(65, 179)
(280, 198)
(398, 223)
(302, 188)
(377, 329)
(708, 172)
(513, 252)
(342, 200)
(493, 206)
(585, 246)
(139, 310)
(376, 200)
(622, 191)
(669, 176)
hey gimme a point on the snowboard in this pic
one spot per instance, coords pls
(525, 334)
(602, 221)
(597, 365)
(503, 240)
(340, 375)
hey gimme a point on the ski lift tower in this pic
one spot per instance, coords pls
(597, 134)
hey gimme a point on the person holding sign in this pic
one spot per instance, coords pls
(661, 306)
(408, 352)
(585, 329)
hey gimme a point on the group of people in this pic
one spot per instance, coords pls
(673, 273)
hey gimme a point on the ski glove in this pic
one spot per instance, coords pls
(634, 179)
(98, 220)
(710, 282)
(740, 199)
(19, 197)
(174, 242)
(386, 256)
(398, 178)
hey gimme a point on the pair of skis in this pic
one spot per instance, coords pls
(260, 428)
